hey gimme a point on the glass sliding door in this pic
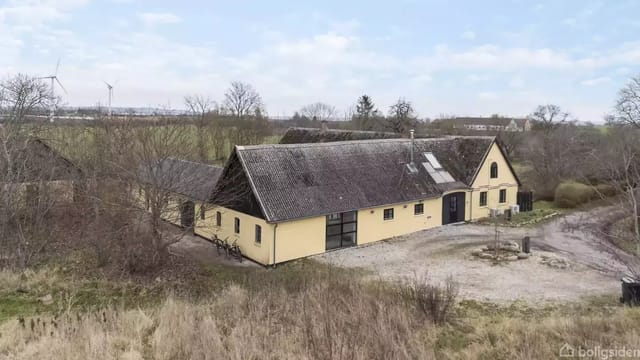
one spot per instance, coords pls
(341, 230)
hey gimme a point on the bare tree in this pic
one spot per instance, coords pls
(26, 168)
(242, 100)
(402, 117)
(200, 106)
(318, 112)
(619, 158)
(159, 175)
(22, 95)
(548, 117)
(131, 167)
(552, 151)
(628, 104)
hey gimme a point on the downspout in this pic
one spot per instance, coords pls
(471, 205)
(275, 227)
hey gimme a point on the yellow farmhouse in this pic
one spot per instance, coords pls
(287, 201)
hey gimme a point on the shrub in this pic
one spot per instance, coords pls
(434, 301)
(572, 194)
(606, 190)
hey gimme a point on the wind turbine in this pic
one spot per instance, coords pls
(110, 88)
(54, 79)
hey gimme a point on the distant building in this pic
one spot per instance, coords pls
(299, 135)
(189, 185)
(488, 123)
(31, 168)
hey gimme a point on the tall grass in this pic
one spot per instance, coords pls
(332, 319)
(319, 315)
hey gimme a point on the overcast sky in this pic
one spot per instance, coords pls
(447, 57)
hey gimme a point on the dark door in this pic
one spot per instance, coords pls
(187, 214)
(453, 208)
(341, 230)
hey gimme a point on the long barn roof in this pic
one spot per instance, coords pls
(306, 180)
(301, 135)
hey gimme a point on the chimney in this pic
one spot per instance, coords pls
(323, 126)
(412, 141)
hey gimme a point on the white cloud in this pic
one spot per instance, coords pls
(488, 95)
(469, 35)
(153, 19)
(334, 66)
(516, 82)
(474, 78)
(495, 58)
(596, 81)
(28, 14)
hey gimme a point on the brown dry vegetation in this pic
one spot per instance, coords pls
(304, 311)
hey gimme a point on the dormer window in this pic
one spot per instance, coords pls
(494, 170)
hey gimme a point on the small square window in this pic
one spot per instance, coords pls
(218, 218)
(483, 198)
(258, 234)
(503, 196)
(388, 214)
(418, 209)
(236, 226)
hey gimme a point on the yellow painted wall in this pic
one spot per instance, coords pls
(372, 226)
(259, 252)
(300, 238)
(483, 182)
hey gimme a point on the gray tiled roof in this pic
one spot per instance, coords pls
(305, 180)
(34, 160)
(191, 179)
(300, 135)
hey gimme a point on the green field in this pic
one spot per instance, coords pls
(79, 142)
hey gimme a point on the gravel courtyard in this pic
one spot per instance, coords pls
(590, 266)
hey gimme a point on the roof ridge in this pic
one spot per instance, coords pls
(341, 130)
(351, 142)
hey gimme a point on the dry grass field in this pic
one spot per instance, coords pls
(302, 310)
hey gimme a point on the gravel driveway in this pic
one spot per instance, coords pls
(594, 267)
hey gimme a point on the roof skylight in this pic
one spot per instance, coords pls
(435, 170)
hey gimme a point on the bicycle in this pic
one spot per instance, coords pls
(234, 251)
(220, 244)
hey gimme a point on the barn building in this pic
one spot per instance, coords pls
(287, 201)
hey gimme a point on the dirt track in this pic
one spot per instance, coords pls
(594, 266)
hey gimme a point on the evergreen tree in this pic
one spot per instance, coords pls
(365, 112)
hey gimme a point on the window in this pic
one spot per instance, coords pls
(236, 226)
(341, 230)
(218, 218)
(418, 209)
(202, 212)
(258, 234)
(483, 198)
(388, 214)
(494, 170)
(503, 196)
